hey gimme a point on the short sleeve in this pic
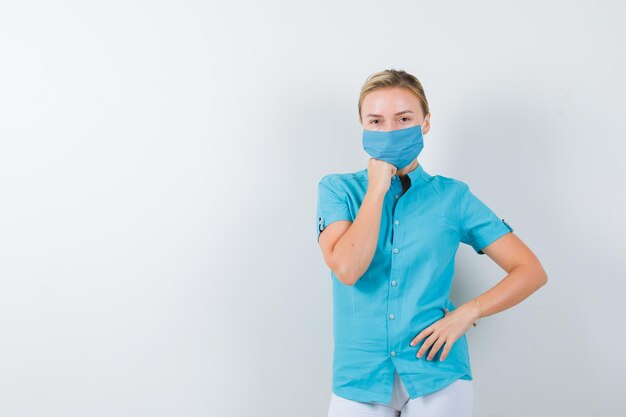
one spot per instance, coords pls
(480, 226)
(331, 205)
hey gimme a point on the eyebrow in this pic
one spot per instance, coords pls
(397, 114)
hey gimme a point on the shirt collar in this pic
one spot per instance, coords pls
(418, 174)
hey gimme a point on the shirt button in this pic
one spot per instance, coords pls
(393, 283)
(395, 250)
(393, 353)
(391, 317)
(397, 222)
(397, 196)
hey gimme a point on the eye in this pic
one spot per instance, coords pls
(407, 119)
(373, 120)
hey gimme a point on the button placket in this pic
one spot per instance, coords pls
(393, 296)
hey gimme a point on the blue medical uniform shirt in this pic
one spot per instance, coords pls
(407, 286)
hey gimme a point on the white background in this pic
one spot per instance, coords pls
(158, 174)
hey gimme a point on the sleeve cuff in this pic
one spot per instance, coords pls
(323, 222)
(497, 231)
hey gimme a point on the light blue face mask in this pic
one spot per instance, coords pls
(398, 147)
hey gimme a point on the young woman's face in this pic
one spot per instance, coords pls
(392, 108)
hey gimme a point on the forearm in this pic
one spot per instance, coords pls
(519, 284)
(354, 251)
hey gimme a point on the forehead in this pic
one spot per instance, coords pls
(390, 100)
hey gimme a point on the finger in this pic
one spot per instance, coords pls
(435, 348)
(426, 345)
(421, 335)
(446, 349)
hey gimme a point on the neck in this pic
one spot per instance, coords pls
(402, 172)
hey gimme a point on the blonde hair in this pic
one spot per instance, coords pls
(393, 78)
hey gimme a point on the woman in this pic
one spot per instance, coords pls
(389, 234)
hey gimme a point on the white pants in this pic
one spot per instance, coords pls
(456, 399)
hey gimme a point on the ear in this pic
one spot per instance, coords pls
(426, 124)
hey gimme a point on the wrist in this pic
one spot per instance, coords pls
(477, 308)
